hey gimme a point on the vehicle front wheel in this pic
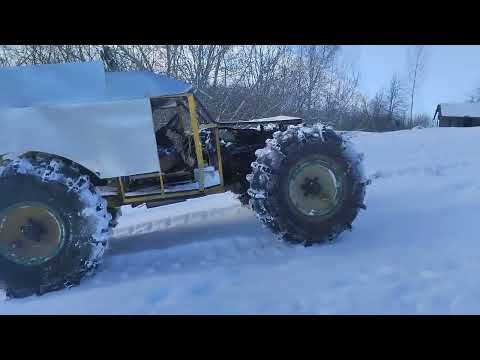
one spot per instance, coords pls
(307, 184)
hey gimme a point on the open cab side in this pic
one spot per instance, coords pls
(189, 155)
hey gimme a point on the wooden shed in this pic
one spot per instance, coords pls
(458, 115)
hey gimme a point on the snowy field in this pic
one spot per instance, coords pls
(415, 250)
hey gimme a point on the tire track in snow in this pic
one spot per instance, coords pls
(437, 170)
(221, 236)
(163, 223)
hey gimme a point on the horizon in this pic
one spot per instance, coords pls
(451, 71)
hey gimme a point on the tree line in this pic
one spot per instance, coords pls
(244, 82)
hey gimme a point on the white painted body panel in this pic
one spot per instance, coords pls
(110, 138)
(100, 120)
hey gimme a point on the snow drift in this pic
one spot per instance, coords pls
(415, 250)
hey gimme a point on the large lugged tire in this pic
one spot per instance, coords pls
(307, 184)
(53, 226)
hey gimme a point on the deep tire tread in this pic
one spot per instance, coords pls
(266, 196)
(85, 246)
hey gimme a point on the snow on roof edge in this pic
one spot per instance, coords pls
(459, 109)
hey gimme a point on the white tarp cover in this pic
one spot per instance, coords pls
(114, 138)
(33, 85)
(460, 110)
(100, 120)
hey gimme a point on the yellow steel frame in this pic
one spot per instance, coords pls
(122, 189)
(196, 139)
(166, 196)
(200, 162)
(219, 155)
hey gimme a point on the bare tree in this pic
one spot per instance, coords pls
(246, 81)
(4, 55)
(423, 120)
(474, 97)
(316, 62)
(396, 102)
(109, 58)
(416, 66)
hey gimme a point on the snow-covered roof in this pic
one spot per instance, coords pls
(460, 109)
(25, 86)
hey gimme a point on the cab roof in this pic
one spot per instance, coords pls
(34, 85)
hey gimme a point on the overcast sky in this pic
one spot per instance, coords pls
(452, 72)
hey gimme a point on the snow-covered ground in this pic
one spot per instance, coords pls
(415, 250)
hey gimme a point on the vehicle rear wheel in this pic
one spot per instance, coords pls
(307, 184)
(53, 226)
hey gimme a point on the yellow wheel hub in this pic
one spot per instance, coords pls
(313, 187)
(30, 233)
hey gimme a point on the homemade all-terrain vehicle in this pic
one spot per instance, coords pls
(77, 143)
